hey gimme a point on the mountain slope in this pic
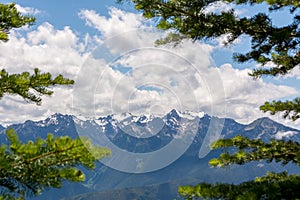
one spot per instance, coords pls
(1, 128)
(147, 133)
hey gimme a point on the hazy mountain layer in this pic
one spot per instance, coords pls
(186, 133)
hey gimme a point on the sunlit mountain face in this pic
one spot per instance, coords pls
(175, 146)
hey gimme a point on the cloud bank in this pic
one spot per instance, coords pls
(121, 70)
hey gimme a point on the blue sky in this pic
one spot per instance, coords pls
(88, 40)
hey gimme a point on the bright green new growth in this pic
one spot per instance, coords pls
(291, 109)
(29, 168)
(28, 86)
(10, 18)
(252, 150)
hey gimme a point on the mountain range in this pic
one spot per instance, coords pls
(178, 141)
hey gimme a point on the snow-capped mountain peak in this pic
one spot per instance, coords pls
(146, 134)
(53, 120)
(128, 118)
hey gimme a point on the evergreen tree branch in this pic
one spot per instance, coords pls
(271, 186)
(249, 150)
(28, 168)
(279, 45)
(45, 163)
(291, 109)
(30, 87)
(11, 18)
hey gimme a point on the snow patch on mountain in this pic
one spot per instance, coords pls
(127, 118)
(41, 123)
(52, 120)
(259, 136)
(101, 122)
(145, 118)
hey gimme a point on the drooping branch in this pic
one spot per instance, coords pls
(11, 18)
(249, 150)
(45, 163)
(28, 86)
(291, 109)
(269, 43)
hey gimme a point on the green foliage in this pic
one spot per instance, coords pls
(11, 18)
(28, 86)
(279, 45)
(248, 150)
(291, 109)
(29, 168)
(270, 44)
(271, 186)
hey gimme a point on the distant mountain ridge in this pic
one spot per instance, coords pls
(1, 128)
(61, 124)
(149, 133)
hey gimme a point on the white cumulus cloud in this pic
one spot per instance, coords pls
(27, 10)
(50, 50)
(287, 134)
(128, 73)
